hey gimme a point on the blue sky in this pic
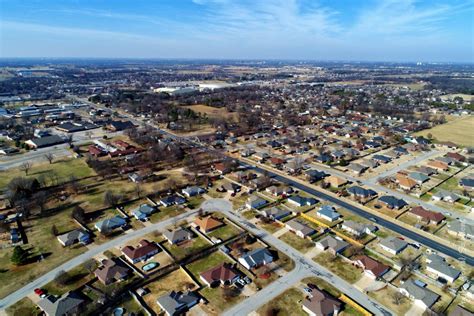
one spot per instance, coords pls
(377, 30)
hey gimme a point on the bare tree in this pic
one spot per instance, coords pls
(49, 157)
(111, 199)
(398, 298)
(26, 167)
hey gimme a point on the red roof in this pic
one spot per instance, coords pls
(93, 150)
(427, 215)
(372, 265)
(145, 247)
(456, 156)
(277, 161)
(121, 144)
(221, 273)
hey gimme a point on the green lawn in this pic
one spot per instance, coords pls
(195, 202)
(23, 307)
(343, 269)
(193, 246)
(218, 301)
(41, 240)
(286, 304)
(203, 264)
(249, 214)
(64, 170)
(165, 213)
(78, 276)
(225, 232)
(301, 244)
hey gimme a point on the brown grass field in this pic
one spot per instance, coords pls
(212, 111)
(459, 131)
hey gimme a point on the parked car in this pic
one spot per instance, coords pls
(242, 282)
(308, 290)
(247, 280)
(40, 292)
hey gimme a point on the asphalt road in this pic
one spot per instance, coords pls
(303, 267)
(92, 252)
(372, 183)
(380, 221)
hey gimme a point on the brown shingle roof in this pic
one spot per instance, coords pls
(221, 273)
(322, 303)
(145, 247)
(372, 265)
(427, 215)
(208, 223)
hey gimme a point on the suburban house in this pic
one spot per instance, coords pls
(144, 251)
(112, 270)
(467, 183)
(422, 296)
(276, 213)
(66, 304)
(299, 228)
(279, 190)
(172, 200)
(207, 224)
(392, 202)
(193, 191)
(427, 216)
(357, 229)
(405, 183)
(335, 182)
(74, 237)
(256, 258)
(371, 267)
(109, 224)
(356, 168)
(427, 170)
(299, 200)
(381, 158)
(231, 187)
(143, 211)
(328, 213)
(438, 165)
(461, 229)
(334, 245)
(222, 168)
(178, 235)
(177, 303)
(393, 245)
(222, 274)
(418, 177)
(446, 196)
(360, 192)
(320, 303)
(315, 175)
(456, 156)
(255, 202)
(437, 266)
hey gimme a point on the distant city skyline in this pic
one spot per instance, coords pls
(385, 30)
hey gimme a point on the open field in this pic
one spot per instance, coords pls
(456, 131)
(301, 244)
(466, 97)
(335, 264)
(212, 112)
(64, 169)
